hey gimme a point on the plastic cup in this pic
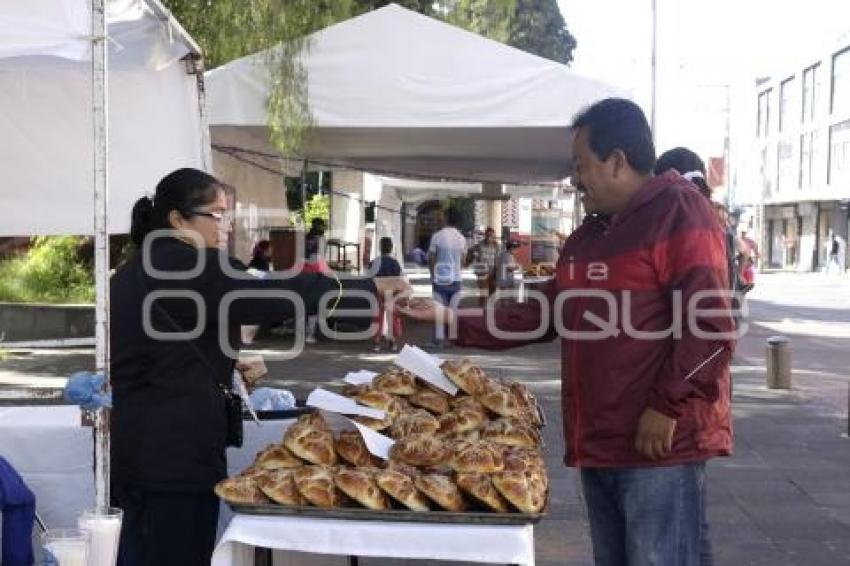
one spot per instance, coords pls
(104, 528)
(68, 547)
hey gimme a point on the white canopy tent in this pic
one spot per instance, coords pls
(401, 94)
(155, 119)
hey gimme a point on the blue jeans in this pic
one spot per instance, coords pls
(648, 516)
(443, 294)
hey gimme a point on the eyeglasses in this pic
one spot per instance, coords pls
(225, 217)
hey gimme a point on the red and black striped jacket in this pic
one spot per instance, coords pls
(613, 305)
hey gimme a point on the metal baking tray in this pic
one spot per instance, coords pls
(299, 409)
(293, 413)
(390, 515)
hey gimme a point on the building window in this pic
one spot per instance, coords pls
(811, 76)
(806, 160)
(840, 82)
(763, 113)
(786, 101)
(766, 177)
(818, 160)
(787, 176)
(839, 153)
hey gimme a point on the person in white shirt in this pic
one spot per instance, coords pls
(445, 261)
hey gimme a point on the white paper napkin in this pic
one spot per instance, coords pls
(377, 444)
(426, 367)
(323, 399)
(362, 377)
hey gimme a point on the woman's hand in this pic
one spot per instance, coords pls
(252, 369)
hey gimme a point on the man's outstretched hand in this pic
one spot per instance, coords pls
(424, 310)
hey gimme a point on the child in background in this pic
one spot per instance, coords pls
(386, 265)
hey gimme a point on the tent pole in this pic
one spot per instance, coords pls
(196, 67)
(304, 166)
(101, 238)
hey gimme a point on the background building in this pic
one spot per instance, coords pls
(792, 169)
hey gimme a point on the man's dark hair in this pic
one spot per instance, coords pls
(452, 216)
(617, 123)
(385, 244)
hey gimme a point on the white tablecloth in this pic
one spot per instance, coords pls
(474, 543)
(53, 453)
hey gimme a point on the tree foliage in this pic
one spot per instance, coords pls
(52, 271)
(538, 27)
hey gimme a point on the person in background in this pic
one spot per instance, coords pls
(314, 262)
(261, 259)
(506, 266)
(482, 257)
(445, 261)
(690, 166)
(833, 246)
(386, 265)
(748, 254)
(419, 256)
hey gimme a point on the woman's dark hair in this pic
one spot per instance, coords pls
(317, 227)
(685, 162)
(617, 123)
(183, 190)
(385, 244)
(261, 248)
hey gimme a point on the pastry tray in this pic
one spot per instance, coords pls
(390, 515)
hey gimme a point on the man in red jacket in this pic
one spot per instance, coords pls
(640, 305)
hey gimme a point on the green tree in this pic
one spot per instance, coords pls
(534, 26)
(52, 271)
(427, 7)
(465, 207)
(538, 27)
(490, 18)
(319, 206)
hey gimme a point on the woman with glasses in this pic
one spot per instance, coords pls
(175, 327)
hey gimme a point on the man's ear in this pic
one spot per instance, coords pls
(618, 163)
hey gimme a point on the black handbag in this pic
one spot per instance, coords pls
(233, 408)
